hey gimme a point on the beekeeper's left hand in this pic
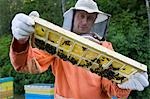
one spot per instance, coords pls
(138, 81)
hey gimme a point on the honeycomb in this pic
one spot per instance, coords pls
(72, 49)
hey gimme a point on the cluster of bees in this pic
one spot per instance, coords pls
(81, 55)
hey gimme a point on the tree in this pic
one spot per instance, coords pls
(148, 12)
(7, 9)
(63, 5)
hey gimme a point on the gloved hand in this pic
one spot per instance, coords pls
(22, 26)
(138, 81)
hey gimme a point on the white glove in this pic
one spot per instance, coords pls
(22, 25)
(138, 81)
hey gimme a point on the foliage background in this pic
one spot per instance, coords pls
(128, 31)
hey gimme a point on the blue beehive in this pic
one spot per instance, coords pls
(39, 91)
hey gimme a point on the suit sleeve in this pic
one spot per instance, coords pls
(30, 60)
(111, 89)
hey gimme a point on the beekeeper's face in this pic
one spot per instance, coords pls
(83, 21)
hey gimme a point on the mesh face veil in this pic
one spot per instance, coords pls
(89, 6)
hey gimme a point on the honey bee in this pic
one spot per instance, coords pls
(84, 48)
(66, 43)
(50, 49)
(62, 55)
(40, 44)
(72, 60)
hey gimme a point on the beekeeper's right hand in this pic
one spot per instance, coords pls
(22, 26)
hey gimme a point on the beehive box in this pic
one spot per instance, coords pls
(83, 52)
(6, 88)
(39, 91)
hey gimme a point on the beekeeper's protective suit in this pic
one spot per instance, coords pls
(71, 82)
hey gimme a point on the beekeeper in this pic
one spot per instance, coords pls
(71, 82)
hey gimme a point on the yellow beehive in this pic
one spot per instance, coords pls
(6, 88)
(83, 52)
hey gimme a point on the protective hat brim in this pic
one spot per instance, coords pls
(100, 17)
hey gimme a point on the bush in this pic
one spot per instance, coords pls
(131, 39)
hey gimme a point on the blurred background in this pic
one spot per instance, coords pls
(128, 31)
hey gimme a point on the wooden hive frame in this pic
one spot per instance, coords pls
(83, 52)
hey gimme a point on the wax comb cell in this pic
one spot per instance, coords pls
(53, 37)
(78, 49)
(62, 54)
(116, 65)
(103, 60)
(39, 43)
(91, 55)
(40, 31)
(73, 59)
(127, 70)
(66, 44)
